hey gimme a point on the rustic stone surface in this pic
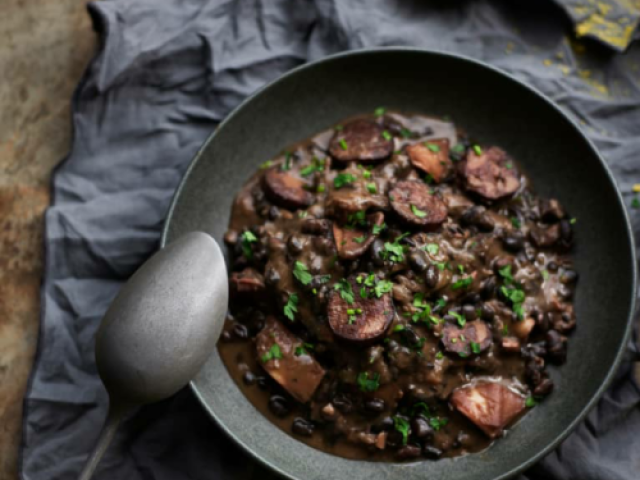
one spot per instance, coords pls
(44, 49)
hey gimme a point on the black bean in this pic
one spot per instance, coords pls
(295, 245)
(279, 406)
(513, 243)
(488, 288)
(240, 331)
(408, 451)
(394, 439)
(476, 216)
(565, 292)
(420, 428)
(471, 298)
(271, 276)
(566, 232)
(249, 378)
(569, 276)
(556, 347)
(469, 312)
(487, 312)
(375, 405)
(274, 212)
(552, 266)
(262, 382)
(432, 276)
(342, 403)
(543, 388)
(386, 424)
(418, 261)
(411, 336)
(431, 452)
(302, 427)
(377, 252)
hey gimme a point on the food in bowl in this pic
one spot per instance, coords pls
(397, 290)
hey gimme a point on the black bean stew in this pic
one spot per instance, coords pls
(397, 290)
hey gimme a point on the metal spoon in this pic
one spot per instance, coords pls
(160, 329)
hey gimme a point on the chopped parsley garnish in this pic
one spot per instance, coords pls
(343, 179)
(338, 127)
(287, 161)
(441, 266)
(394, 251)
(420, 408)
(343, 144)
(398, 328)
(505, 330)
(291, 308)
(378, 112)
(266, 164)
(461, 268)
(406, 133)
(439, 355)
(458, 148)
(505, 272)
(402, 426)
(367, 384)
(301, 272)
(274, 353)
(433, 147)
(360, 239)
(573, 221)
(477, 149)
(475, 347)
(515, 222)
(417, 212)
(441, 303)
(459, 318)
(516, 296)
(545, 275)
(247, 239)
(372, 188)
(530, 402)
(317, 165)
(302, 214)
(432, 248)
(355, 219)
(386, 135)
(437, 423)
(382, 287)
(462, 283)
(366, 175)
(509, 165)
(346, 292)
(321, 188)
(378, 228)
(635, 203)
(302, 349)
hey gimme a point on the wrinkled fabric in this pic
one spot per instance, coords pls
(166, 74)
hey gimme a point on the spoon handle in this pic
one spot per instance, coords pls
(114, 416)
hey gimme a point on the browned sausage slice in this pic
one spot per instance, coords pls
(431, 157)
(459, 340)
(353, 242)
(286, 190)
(362, 319)
(361, 140)
(299, 374)
(489, 174)
(412, 201)
(491, 406)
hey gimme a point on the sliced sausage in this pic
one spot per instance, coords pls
(362, 320)
(299, 375)
(488, 174)
(458, 340)
(286, 190)
(360, 140)
(491, 406)
(353, 242)
(412, 201)
(248, 282)
(432, 157)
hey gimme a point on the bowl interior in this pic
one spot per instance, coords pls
(491, 107)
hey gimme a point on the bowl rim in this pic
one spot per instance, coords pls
(462, 58)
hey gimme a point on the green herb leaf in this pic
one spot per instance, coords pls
(509, 165)
(402, 426)
(367, 384)
(459, 318)
(346, 292)
(462, 283)
(301, 272)
(247, 239)
(290, 309)
(505, 272)
(530, 402)
(635, 203)
(343, 179)
(420, 408)
(378, 112)
(321, 188)
(338, 128)
(437, 423)
(386, 135)
(545, 275)
(458, 148)
(343, 144)
(287, 161)
(372, 188)
(300, 351)
(266, 164)
(432, 248)
(360, 239)
(573, 221)
(439, 355)
(515, 222)
(398, 328)
(433, 147)
(477, 149)
(378, 228)
(382, 287)
(274, 353)
(418, 213)
(475, 347)
(317, 165)
(406, 133)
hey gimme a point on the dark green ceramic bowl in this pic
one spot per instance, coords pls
(493, 107)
